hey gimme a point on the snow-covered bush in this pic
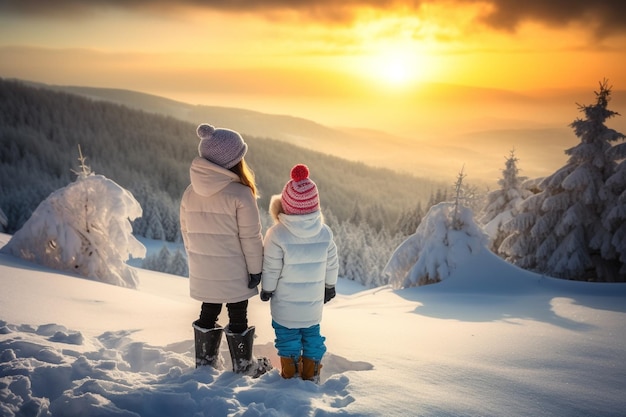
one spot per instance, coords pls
(83, 228)
(446, 237)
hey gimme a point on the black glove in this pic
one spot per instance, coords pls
(266, 295)
(254, 280)
(329, 294)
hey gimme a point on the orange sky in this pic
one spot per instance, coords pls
(350, 63)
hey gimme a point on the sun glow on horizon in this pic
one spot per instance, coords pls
(396, 68)
(400, 66)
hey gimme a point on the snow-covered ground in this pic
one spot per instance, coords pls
(490, 340)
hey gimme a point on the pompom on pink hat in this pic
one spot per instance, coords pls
(300, 194)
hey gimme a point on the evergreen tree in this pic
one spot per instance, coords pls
(614, 218)
(560, 231)
(363, 252)
(352, 254)
(171, 224)
(375, 216)
(178, 264)
(502, 204)
(150, 262)
(409, 220)
(154, 222)
(356, 217)
(155, 262)
(163, 259)
(4, 221)
(439, 197)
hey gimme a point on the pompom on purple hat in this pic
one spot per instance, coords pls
(223, 147)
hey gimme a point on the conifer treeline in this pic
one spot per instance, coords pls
(149, 155)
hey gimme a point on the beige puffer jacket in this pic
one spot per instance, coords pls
(221, 229)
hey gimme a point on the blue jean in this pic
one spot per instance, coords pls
(308, 342)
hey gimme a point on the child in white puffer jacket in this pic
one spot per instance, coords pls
(300, 269)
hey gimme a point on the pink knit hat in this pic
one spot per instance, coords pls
(223, 147)
(300, 193)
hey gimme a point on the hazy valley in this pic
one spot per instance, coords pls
(458, 127)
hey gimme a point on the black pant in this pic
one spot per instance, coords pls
(237, 316)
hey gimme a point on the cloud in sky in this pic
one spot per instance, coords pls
(603, 17)
(281, 50)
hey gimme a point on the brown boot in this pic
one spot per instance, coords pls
(290, 366)
(311, 370)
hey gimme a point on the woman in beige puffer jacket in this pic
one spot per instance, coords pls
(221, 230)
(222, 233)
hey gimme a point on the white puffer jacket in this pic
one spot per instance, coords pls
(300, 260)
(221, 229)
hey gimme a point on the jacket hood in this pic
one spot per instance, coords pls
(208, 178)
(302, 225)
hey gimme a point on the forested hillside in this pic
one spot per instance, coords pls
(149, 154)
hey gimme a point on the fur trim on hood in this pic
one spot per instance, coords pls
(276, 207)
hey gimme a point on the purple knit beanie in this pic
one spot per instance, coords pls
(223, 147)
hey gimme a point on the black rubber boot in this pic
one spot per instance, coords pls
(240, 347)
(207, 345)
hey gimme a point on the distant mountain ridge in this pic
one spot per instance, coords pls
(370, 146)
(295, 130)
(478, 142)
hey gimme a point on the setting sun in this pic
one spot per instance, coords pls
(397, 69)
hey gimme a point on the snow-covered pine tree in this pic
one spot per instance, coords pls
(149, 262)
(614, 217)
(446, 237)
(159, 261)
(4, 221)
(357, 216)
(83, 228)
(352, 252)
(163, 260)
(409, 220)
(178, 264)
(171, 225)
(154, 220)
(502, 204)
(363, 251)
(560, 231)
(375, 253)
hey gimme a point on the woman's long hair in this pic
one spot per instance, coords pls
(246, 175)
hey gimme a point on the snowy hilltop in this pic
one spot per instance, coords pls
(489, 340)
